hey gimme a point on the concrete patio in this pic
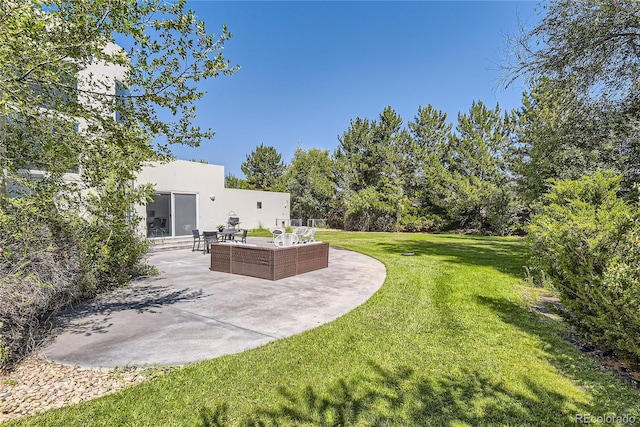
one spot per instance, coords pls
(189, 313)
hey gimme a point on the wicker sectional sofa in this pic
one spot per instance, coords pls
(271, 263)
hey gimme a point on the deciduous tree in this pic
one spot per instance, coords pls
(309, 179)
(590, 45)
(556, 140)
(588, 51)
(56, 118)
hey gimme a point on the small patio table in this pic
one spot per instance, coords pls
(228, 233)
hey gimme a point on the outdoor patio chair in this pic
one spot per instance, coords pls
(196, 238)
(209, 237)
(300, 231)
(276, 231)
(309, 235)
(285, 240)
(242, 234)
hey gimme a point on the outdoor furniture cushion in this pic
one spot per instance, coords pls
(276, 231)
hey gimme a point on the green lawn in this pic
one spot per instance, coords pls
(447, 341)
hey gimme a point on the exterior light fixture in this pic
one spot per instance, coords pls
(212, 197)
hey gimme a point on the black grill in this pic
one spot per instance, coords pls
(233, 221)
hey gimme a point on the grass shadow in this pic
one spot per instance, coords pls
(568, 359)
(505, 255)
(402, 396)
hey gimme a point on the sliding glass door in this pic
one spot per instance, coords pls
(172, 215)
(186, 215)
(159, 215)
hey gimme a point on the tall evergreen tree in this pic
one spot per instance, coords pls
(424, 167)
(264, 169)
(481, 193)
(481, 143)
(232, 181)
(368, 172)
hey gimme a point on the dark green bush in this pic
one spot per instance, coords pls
(371, 210)
(421, 223)
(621, 288)
(505, 213)
(573, 242)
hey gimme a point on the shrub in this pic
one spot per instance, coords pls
(40, 271)
(573, 242)
(621, 289)
(113, 253)
(48, 262)
(371, 209)
(421, 223)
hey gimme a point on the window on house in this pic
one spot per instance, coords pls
(259, 206)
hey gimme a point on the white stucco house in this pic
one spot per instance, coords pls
(191, 195)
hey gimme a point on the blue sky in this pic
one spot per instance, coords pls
(308, 68)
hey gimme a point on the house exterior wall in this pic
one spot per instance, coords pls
(206, 181)
(273, 206)
(100, 77)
